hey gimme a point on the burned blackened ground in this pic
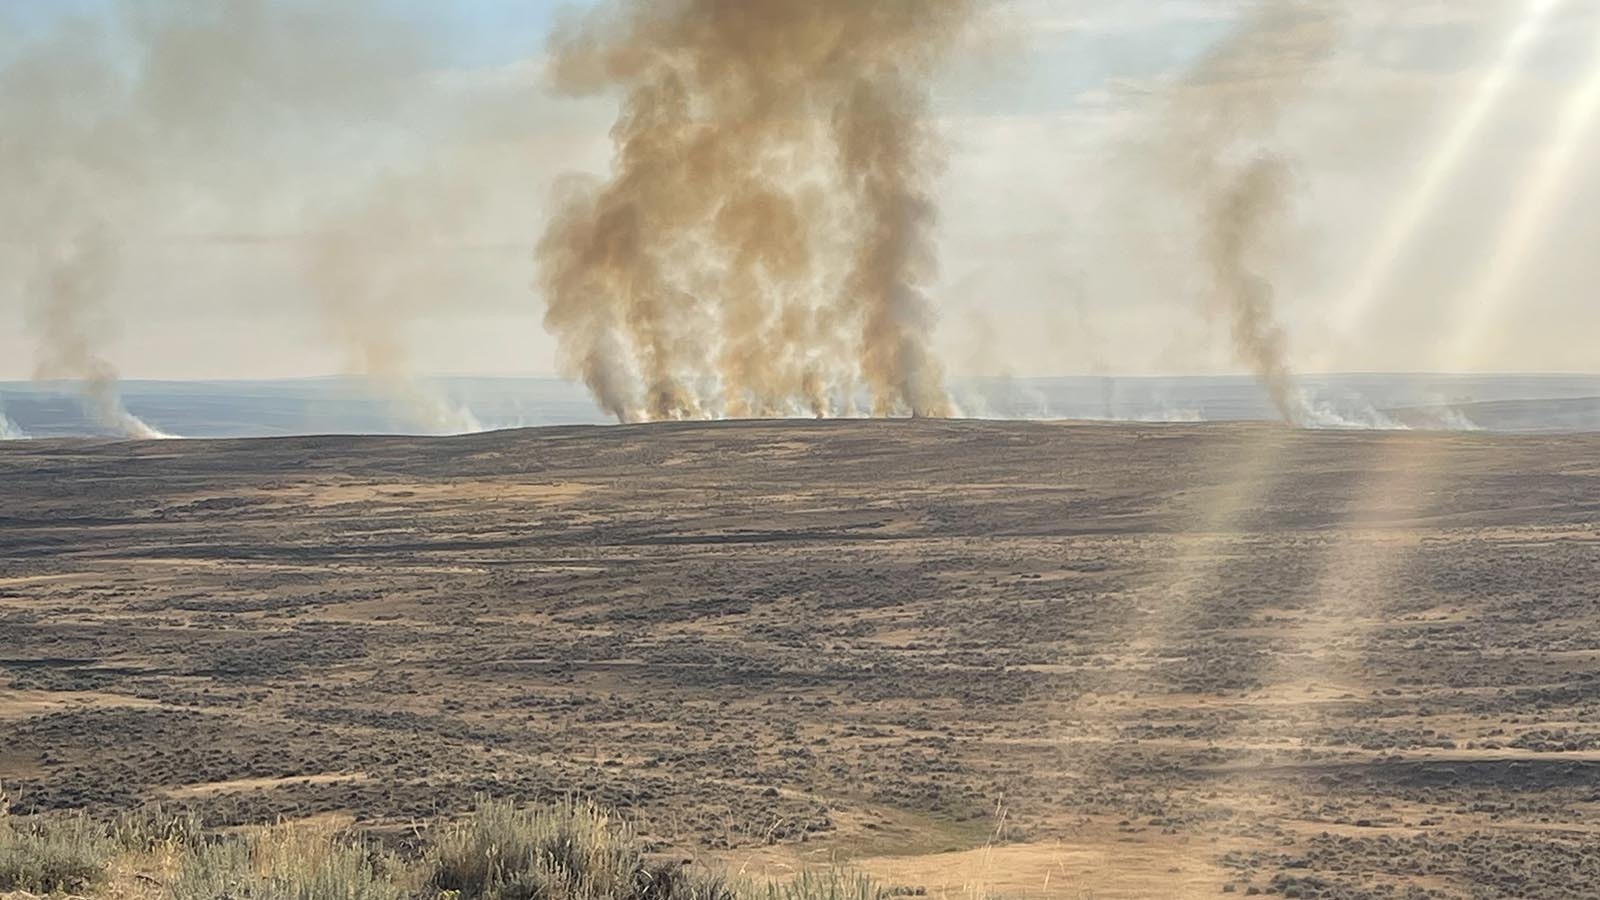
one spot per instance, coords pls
(1132, 659)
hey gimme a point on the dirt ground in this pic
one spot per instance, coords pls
(1030, 659)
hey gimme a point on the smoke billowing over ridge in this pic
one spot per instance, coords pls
(765, 242)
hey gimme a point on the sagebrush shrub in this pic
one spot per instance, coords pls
(56, 856)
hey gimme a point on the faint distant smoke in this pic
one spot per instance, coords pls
(765, 243)
(367, 272)
(59, 139)
(113, 121)
(1094, 346)
(68, 318)
(1221, 123)
(1456, 420)
(348, 276)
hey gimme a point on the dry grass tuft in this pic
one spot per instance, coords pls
(501, 852)
(285, 863)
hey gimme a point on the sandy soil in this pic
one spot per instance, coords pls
(1043, 660)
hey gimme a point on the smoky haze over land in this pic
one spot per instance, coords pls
(705, 209)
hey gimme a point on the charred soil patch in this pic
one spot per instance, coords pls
(1230, 647)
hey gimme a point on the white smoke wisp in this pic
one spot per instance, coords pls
(430, 405)
(1320, 414)
(1174, 416)
(1442, 414)
(1455, 420)
(1165, 414)
(1168, 415)
(9, 430)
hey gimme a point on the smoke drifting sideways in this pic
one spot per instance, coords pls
(765, 242)
(118, 128)
(1217, 151)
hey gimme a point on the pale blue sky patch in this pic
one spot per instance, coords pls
(473, 33)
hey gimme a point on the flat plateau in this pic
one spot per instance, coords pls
(1051, 660)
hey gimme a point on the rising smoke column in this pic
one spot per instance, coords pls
(68, 312)
(764, 244)
(66, 155)
(1244, 212)
(68, 318)
(1218, 151)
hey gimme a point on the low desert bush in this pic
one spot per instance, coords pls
(67, 855)
(567, 852)
(578, 852)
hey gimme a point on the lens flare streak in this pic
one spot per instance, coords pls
(1442, 170)
(1537, 202)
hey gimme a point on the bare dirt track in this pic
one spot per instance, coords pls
(1045, 660)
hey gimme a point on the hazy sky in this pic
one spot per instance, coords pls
(420, 133)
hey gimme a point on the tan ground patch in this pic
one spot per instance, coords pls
(25, 704)
(258, 784)
(1103, 867)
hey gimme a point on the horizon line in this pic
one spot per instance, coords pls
(1083, 376)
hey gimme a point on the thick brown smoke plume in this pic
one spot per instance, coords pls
(1219, 152)
(764, 245)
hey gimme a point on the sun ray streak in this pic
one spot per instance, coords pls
(1536, 203)
(1442, 170)
(1358, 574)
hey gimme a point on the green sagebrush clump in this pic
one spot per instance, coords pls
(58, 856)
(578, 852)
(287, 864)
(568, 852)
